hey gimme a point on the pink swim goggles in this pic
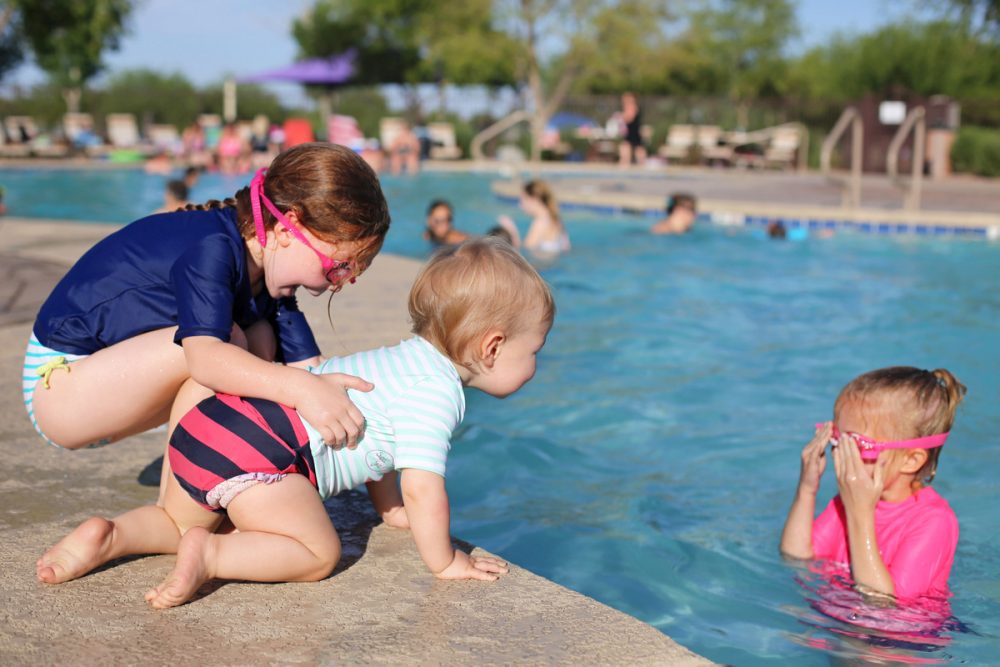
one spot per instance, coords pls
(337, 273)
(870, 448)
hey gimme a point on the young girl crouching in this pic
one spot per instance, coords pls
(480, 314)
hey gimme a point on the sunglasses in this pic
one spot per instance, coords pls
(336, 272)
(870, 448)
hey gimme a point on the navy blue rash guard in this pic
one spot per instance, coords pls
(186, 269)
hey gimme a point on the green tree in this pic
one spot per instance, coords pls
(409, 41)
(151, 96)
(253, 100)
(745, 41)
(559, 41)
(980, 17)
(68, 38)
(11, 38)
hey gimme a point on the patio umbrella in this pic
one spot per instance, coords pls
(330, 72)
(565, 119)
(325, 72)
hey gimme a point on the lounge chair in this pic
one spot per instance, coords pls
(21, 129)
(164, 137)
(298, 131)
(122, 130)
(680, 140)
(783, 146)
(344, 130)
(388, 129)
(443, 144)
(11, 141)
(712, 146)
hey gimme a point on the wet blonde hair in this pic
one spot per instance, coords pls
(541, 191)
(332, 190)
(907, 402)
(466, 290)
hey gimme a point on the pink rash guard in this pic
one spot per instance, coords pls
(916, 538)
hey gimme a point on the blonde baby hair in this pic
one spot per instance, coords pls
(466, 290)
(907, 403)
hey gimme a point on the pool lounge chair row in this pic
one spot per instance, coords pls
(710, 144)
(21, 136)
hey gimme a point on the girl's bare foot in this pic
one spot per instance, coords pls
(78, 553)
(190, 572)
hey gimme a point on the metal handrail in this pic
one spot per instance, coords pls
(850, 116)
(502, 125)
(916, 121)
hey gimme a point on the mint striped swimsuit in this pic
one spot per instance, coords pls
(417, 403)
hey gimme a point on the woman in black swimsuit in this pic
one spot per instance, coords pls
(631, 150)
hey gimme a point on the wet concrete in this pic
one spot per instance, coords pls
(381, 606)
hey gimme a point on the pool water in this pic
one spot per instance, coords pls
(651, 462)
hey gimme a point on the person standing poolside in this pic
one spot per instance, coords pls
(894, 531)
(681, 213)
(440, 228)
(631, 150)
(173, 307)
(546, 235)
(404, 152)
(480, 313)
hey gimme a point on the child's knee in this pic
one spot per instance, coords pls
(327, 557)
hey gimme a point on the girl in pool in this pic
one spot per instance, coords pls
(480, 314)
(546, 236)
(174, 307)
(441, 224)
(894, 531)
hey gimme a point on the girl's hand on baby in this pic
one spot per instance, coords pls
(814, 459)
(860, 489)
(464, 566)
(326, 406)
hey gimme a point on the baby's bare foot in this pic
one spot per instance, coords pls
(190, 572)
(78, 553)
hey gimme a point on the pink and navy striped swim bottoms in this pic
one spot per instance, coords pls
(225, 437)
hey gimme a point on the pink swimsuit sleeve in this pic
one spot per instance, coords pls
(829, 533)
(924, 556)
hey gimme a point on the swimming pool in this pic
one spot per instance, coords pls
(651, 461)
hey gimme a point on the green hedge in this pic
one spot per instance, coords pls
(977, 150)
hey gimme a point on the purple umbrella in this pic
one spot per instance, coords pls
(315, 71)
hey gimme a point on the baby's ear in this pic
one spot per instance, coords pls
(490, 347)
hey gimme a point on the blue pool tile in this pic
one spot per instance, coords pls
(884, 228)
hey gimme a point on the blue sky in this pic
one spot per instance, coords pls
(207, 39)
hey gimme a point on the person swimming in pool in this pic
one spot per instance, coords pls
(681, 210)
(546, 235)
(896, 534)
(440, 228)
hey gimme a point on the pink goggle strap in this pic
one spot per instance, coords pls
(256, 194)
(256, 197)
(926, 442)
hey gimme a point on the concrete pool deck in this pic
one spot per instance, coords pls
(958, 206)
(381, 606)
